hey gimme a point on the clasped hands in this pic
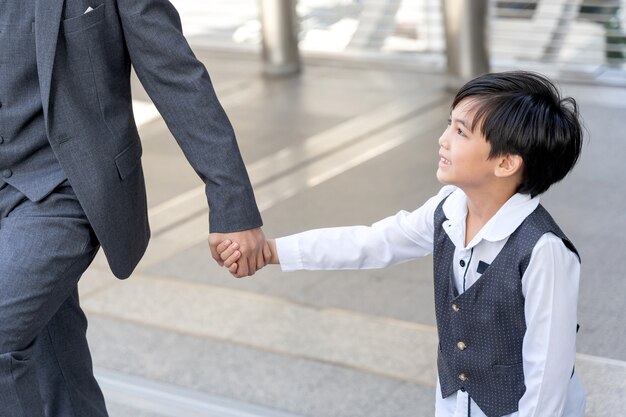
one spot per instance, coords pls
(243, 253)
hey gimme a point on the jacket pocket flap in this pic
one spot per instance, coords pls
(128, 160)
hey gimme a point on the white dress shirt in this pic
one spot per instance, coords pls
(549, 285)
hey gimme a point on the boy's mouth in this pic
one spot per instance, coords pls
(443, 160)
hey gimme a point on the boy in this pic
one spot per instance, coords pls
(506, 277)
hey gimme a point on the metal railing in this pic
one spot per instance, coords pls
(585, 36)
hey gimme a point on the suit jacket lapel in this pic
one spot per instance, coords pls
(47, 22)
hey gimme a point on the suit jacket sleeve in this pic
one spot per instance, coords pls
(181, 89)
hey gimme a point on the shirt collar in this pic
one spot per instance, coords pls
(499, 227)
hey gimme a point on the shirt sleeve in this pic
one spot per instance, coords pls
(550, 287)
(395, 239)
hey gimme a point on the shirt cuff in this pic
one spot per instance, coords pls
(289, 254)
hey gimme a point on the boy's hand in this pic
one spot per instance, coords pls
(229, 254)
(251, 243)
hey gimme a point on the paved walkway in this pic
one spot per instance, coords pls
(336, 146)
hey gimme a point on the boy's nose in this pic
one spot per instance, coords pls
(442, 141)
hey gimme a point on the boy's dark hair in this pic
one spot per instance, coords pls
(522, 113)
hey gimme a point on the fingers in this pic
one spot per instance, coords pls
(229, 253)
(224, 245)
(214, 239)
(251, 264)
(216, 256)
(226, 250)
(260, 260)
(232, 259)
(267, 253)
(242, 270)
(250, 245)
(246, 249)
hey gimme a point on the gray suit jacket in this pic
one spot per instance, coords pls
(84, 63)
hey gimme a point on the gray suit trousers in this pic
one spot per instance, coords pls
(45, 365)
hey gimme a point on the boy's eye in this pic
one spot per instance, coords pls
(460, 132)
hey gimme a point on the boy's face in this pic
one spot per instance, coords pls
(464, 155)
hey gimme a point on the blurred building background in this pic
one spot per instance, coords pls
(349, 139)
(580, 39)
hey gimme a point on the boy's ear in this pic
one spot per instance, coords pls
(509, 165)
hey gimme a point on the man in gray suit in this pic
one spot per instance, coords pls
(71, 178)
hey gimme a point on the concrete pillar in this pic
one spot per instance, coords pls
(465, 24)
(279, 26)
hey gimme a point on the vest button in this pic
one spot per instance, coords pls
(1, 140)
(455, 307)
(7, 173)
(462, 263)
(461, 345)
(463, 376)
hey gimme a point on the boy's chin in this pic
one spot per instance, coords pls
(442, 178)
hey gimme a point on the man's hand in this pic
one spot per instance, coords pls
(229, 254)
(251, 244)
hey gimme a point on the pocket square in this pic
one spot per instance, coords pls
(89, 9)
(482, 267)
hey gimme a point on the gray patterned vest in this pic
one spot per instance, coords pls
(27, 161)
(481, 330)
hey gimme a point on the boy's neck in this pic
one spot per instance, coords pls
(482, 205)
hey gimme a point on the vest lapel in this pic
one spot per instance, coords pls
(47, 22)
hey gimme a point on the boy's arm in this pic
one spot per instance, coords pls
(550, 287)
(385, 243)
(395, 239)
(355, 247)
